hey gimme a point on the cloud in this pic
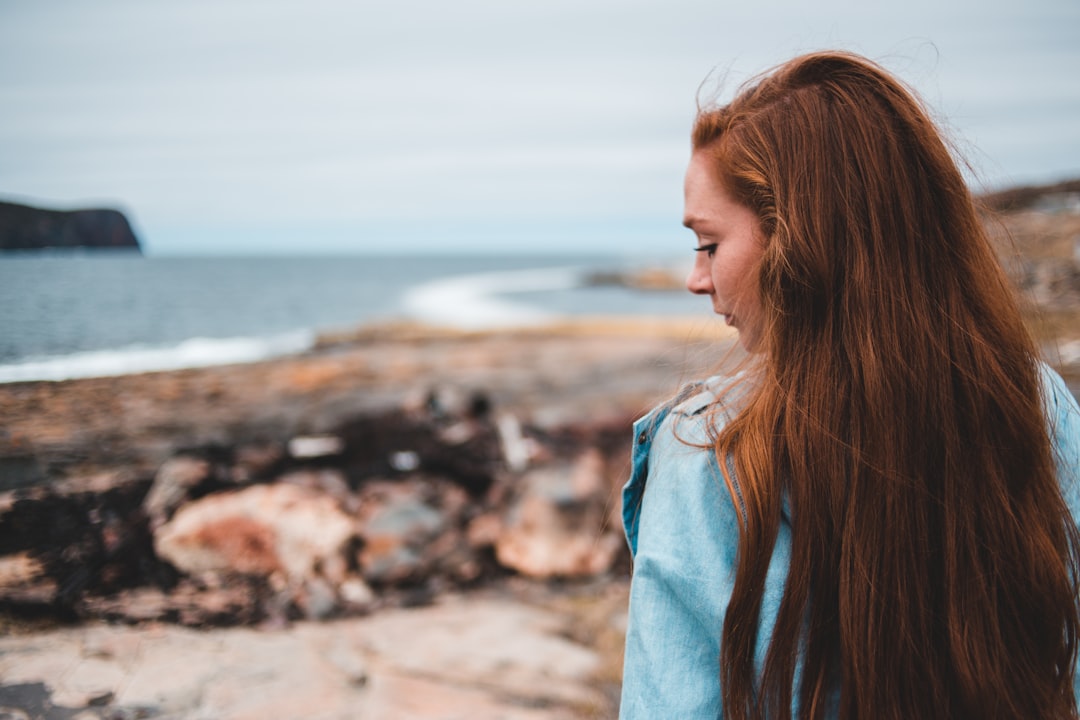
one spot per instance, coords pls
(250, 113)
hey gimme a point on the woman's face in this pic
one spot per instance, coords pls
(729, 246)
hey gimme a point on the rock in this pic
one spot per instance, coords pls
(1023, 197)
(1053, 284)
(315, 446)
(27, 701)
(28, 228)
(100, 699)
(556, 528)
(351, 665)
(19, 570)
(539, 545)
(517, 450)
(465, 450)
(329, 481)
(398, 524)
(356, 595)
(649, 278)
(176, 440)
(281, 529)
(445, 402)
(191, 602)
(60, 543)
(173, 482)
(484, 530)
(483, 657)
(484, 644)
(252, 461)
(20, 471)
(317, 599)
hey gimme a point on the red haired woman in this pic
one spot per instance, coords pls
(876, 517)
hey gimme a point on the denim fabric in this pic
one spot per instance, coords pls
(682, 528)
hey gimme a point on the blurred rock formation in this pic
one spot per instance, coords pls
(29, 228)
(386, 508)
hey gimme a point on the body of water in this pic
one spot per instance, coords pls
(83, 315)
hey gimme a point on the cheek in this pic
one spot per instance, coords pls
(729, 279)
(750, 265)
(748, 281)
(741, 279)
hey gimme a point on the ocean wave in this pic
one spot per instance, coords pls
(196, 352)
(475, 302)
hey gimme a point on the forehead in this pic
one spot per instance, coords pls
(701, 172)
(706, 198)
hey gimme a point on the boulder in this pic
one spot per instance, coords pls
(556, 527)
(410, 529)
(296, 534)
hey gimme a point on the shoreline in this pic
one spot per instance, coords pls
(489, 293)
(352, 371)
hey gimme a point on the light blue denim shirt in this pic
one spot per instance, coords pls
(682, 527)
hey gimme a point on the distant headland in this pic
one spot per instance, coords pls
(26, 228)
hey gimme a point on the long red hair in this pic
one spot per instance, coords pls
(898, 407)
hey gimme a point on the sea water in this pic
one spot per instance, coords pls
(97, 314)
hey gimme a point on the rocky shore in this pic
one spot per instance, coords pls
(473, 475)
(406, 522)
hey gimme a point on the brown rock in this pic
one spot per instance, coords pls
(557, 526)
(263, 529)
(326, 480)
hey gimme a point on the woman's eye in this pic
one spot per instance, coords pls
(709, 249)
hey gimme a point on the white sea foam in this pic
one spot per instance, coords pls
(196, 352)
(475, 302)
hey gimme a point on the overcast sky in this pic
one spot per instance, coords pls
(249, 126)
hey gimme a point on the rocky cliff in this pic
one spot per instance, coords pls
(28, 228)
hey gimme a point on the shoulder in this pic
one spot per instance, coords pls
(683, 428)
(697, 408)
(673, 460)
(682, 527)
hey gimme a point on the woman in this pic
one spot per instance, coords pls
(874, 518)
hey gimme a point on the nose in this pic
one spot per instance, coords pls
(699, 281)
